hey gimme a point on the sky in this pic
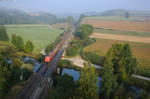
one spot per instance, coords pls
(75, 6)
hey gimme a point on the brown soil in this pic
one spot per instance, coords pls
(121, 37)
(121, 25)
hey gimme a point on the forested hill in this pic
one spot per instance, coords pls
(12, 16)
(120, 12)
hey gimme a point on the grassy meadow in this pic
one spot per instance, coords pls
(40, 35)
(140, 50)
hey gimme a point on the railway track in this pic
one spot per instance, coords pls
(38, 82)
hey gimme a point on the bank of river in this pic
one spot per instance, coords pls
(76, 75)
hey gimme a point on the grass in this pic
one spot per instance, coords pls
(131, 33)
(140, 50)
(40, 35)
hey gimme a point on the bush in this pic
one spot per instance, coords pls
(29, 47)
(83, 31)
(67, 64)
(92, 57)
(3, 34)
(17, 41)
(143, 71)
(73, 49)
(64, 63)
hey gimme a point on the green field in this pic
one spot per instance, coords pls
(140, 50)
(131, 33)
(121, 18)
(40, 35)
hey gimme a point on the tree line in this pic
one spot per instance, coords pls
(81, 39)
(17, 41)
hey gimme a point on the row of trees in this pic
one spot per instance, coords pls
(81, 39)
(52, 45)
(17, 41)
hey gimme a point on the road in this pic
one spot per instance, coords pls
(40, 81)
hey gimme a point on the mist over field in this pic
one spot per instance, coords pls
(75, 6)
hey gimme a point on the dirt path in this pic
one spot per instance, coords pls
(78, 61)
(121, 37)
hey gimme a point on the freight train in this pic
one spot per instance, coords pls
(59, 45)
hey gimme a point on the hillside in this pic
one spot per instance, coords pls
(121, 12)
(13, 16)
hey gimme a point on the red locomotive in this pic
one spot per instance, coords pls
(49, 58)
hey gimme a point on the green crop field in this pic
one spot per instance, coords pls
(40, 35)
(132, 33)
(140, 50)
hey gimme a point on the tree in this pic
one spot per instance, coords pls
(109, 82)
(70, 20)
(127, 15)
(17, 41)
(88, 79)
(92, 57)
(63, 89)
(84, 30)
(49, 48)
(66, 85)
(4, 75)
(129, 61)
(82, 16)
(28, 47)
(3, 34)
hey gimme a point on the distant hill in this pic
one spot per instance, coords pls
(121, 12)
(12, 16)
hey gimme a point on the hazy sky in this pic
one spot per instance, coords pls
(75, 6)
